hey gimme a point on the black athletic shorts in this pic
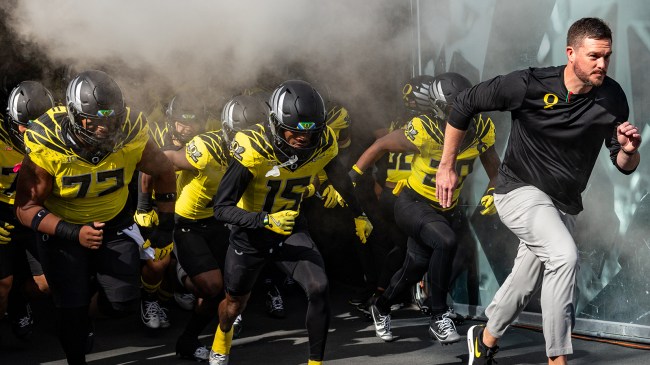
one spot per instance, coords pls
(70, 267)
(242, 268)
(13, 258)
(200, 244)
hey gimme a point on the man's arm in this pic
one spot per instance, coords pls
(157, 165)
(395, 141)
(179, 160)
(338, 177)
(491, 162)
(231, 188)
(447, 177)
(34, 185)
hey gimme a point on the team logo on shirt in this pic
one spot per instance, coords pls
(410, 131)
(550, 100)
(237, 150)
(193, 151)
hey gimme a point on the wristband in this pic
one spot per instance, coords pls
(357, 169)
(628, 153)
(165, 197)
(490, 191)
(68, 231)
(36, 221)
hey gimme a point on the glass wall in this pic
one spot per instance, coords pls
(482, 39)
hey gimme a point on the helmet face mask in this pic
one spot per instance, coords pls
(242, 112)
(96, 110)
(185, 118)
(297, 108)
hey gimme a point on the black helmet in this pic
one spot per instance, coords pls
(444, 89)
(296, 106)
(241, 112)
(188, 111)
(27, 101)
(415, 94)
(95, 96)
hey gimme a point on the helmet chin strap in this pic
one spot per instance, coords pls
(275, 170)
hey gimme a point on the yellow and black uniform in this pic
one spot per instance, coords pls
(431, 244)
(397, 167)
(88, 187)
(200, 241)
(427, 134)
(12, 254)
(254, 186)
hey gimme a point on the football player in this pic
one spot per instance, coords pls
(431, 244)
(260, 196)
(27, 101)
(72, 190)
(200, 241)
(184, 119)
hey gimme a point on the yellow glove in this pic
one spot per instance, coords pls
(310, 190)
(146, 219)
(4, 232)
(363, 227)
(281, 222)
(332, 197)
(487, 201)
(399, 187)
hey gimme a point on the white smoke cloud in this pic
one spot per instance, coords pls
(226, 44)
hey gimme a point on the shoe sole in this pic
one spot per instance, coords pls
(470, 344)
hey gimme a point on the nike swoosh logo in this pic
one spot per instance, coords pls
(599, 99)
(275, 221)
(477, 353)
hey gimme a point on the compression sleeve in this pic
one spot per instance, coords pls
(231, 188)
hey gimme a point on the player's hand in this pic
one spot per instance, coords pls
(332, 197)
(487, 201)
(628, 137)
(363, 227)
(91, 235)
(397, 190)
(146, 219)
(281, 222)
(5, 232)
(446, 180)
(161, 240)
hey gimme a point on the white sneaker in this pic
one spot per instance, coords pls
(162, 317)
(382, 324)
(237, 326)
(443, 329)
(149, 311)
(218, 359)
(185, 300)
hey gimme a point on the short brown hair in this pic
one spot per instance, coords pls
(594, 28)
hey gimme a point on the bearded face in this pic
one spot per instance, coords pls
(591, 61)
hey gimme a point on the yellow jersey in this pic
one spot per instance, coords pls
(206, 153)
(86, 187)
(10, 159)
(427, 134)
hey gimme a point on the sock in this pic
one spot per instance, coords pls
(314, 362)
(222, 341)
(150, 289)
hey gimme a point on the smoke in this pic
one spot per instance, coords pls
(156, 48)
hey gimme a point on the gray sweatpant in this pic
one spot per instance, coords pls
(547, 257)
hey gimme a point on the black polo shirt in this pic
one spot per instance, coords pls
(555, 137)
